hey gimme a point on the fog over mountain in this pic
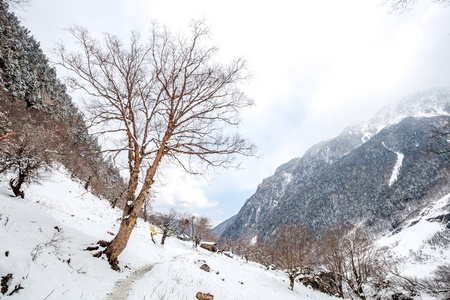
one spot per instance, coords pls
(373, 173)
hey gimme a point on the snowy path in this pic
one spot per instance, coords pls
(123, 286)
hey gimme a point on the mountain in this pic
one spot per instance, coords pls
(219, 229)
(374, 173)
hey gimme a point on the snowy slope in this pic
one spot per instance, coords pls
(42, 242)
(422, 241)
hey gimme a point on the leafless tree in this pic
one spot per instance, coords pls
(402, 6)
(166, 222)
(332, 255)
(265, 253)
(31, 148)
(166, 99)
(199, 229)
(293, 244)
(147, 206)
(440, 282)
(353, 259)
(226, 244)
(183, 224)
(362, 260)
(245, 249)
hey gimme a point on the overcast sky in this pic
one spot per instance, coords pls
(318, 66)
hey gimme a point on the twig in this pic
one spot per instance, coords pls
(49, 295)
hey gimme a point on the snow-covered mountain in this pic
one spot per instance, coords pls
(375, 172)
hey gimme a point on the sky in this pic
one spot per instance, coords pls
(318, 66)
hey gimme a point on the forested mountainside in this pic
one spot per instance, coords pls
(45, 124)
(373, 174)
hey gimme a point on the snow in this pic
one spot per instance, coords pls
(44, 237)
(366, 137)
(418, 257)
(397, 166)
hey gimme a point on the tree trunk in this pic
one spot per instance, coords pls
(131, 210)
(165, 234)
(16, 185)
(153, 239)
(292, 281)
(120, 241)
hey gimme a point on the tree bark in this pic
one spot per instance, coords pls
(292, 282)
(16, 185)
(132, 209)
(165, 234)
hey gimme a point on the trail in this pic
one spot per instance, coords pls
(123, 286)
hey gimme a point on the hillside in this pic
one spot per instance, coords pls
(374, 173)
(37, 108)
(44, 238)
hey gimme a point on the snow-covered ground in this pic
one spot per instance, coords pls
(44, 236)
(418, 245)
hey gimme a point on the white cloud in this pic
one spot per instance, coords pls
(175, 189)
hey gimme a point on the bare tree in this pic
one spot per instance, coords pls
(167, 100)
(147, 206)
(31, 148)
(199, 229)
(402, 6)
(440, 282)
(226, 244)
(353, 259)
(441, 135)
(183, 224)
(166, 222)
(293, 244)
(332, 255)
(265, 253)
(245, 249)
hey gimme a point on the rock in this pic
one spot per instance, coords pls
(103, 243)
(400, 296)
(92, 248)
(4, 283)
(322, 281)
(205, 268)
(201, 296)
(97, 254)
(210, 247)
